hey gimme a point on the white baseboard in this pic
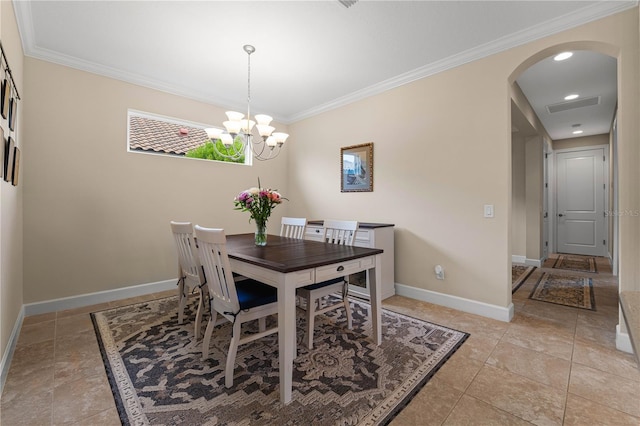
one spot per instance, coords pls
(623, 341)
(523, 260)
(11, 347)
(466, 305)
(98, 297)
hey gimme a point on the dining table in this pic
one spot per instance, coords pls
(289, 263)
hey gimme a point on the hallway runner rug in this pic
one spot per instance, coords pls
(567, 290)
(519, 274)
(157, 374)
(576, 263)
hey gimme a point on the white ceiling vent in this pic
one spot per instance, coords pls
(348, 3)
(579, 103)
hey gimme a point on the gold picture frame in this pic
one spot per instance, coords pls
(356, 168)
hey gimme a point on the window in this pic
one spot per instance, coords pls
(156, 134)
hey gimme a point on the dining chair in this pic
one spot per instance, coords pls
(293, 227)
(334, 232)
(191, 275)
(237, 301)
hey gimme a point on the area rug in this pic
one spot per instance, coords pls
(568, 290)
(519, 274)
(157, 375)
(576, 263)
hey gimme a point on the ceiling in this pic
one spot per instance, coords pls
(311, 56)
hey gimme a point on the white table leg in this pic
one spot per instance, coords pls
(286, 337)
(375, 293)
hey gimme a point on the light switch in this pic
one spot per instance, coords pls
(488, 210)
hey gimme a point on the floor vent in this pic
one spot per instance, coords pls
(580, 103)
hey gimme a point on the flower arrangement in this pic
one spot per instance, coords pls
(258, 202)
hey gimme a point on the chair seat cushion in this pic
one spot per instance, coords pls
(323, 284)
(252, 293)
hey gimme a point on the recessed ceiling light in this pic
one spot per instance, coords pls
(562, 56)
(577, 132)
(571, 96)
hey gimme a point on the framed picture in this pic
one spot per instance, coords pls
(356, 168)
(8, 159)
(13, 112)
(2, 153)
(5, 96)
(16, 166)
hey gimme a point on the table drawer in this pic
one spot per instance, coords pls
(324, 273)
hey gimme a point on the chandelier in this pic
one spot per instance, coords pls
(237, 138)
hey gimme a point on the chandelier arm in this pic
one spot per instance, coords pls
(270, 157)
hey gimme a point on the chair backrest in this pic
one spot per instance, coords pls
(340, 231)
(187, 253)
(293, 227)
(212, 247)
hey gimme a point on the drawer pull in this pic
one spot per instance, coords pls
(317, 231)
(340, 268)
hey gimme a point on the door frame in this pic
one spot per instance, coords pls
(553, 192)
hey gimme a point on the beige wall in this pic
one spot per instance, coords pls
(581, 142)
(11, 254)
(518, 197)
(96, 216)
(534, 182)
(442, 150)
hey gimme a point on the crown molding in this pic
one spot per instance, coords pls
(556, 25)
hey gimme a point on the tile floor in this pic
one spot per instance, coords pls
(551, 365)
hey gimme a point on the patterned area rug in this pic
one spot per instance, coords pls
(519, 274)
(568, 290)
(158, 377)
(576, 263)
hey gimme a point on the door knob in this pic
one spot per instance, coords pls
(560, 215)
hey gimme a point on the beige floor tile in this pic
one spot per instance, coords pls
(35, 319)
(36, 333)
(581, 412)
(563, 314)
(31, 371)
(543, 337)
(77, 356)
(81, 399)
(471, 411)
(600, 336)
(477, 347)
(430, 406)
(31, 409)
(108, 417)
(607, 359)
(604, 388)
(73, 325)
(459, 371)
(598, 319)
(524, 398)
(538, 366)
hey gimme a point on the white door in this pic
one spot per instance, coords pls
(580, 202)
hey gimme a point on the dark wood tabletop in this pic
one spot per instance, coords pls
(289, 254)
